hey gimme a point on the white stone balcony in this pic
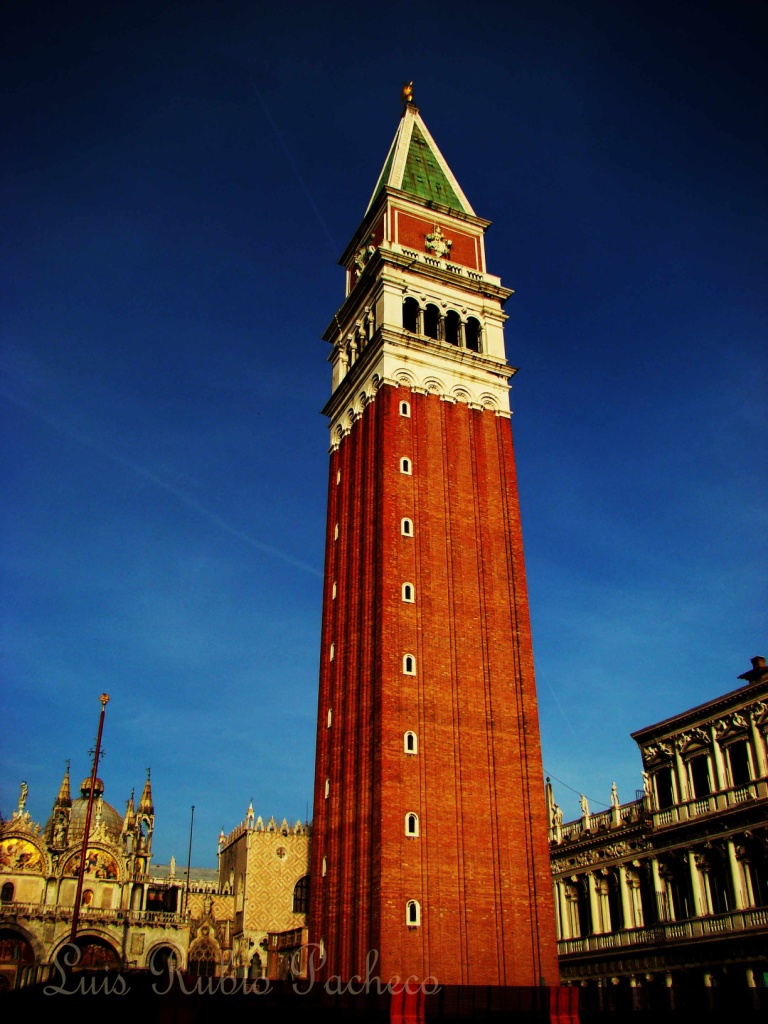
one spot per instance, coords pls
(714, 803)
(670, 931)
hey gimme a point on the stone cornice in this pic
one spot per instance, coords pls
(431, 367)
(704, 714)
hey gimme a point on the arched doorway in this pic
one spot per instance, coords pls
(163, 959)
(96, 954)
(15, 954)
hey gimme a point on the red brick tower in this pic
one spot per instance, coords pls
(430, 833)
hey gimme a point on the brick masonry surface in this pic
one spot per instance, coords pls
(479, 866)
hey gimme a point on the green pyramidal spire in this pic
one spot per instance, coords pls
(415, 165)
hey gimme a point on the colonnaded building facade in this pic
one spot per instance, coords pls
(430, 834)
(671, 889)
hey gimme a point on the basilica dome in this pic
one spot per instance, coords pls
(104, 813)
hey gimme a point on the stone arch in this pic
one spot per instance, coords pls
(255, 967)
(405, 378)
(434, 385)
(101, 864)
(489, 401)
(473, 334)
(461, 395)
(162, 955)
(24, 853)
(452, 327)
(411, 314)
(38, 949)
(433, 321)
(203, 959)
(97, 952)
(17, 958)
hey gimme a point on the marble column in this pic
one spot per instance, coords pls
(700, 905)
(758, 745)
(594, 909)
(626, 900)
(721, 776)
(736, 877)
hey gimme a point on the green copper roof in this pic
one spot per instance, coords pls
(415, 165)
(424, 177)
(384, 176)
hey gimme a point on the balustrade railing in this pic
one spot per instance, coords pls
(107, 915)
(669, 931)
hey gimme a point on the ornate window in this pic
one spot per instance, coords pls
(409, 665)
(412, 914)
(701, 779)
(739, 763)
(408, 593)
(411, 824)
(410, 743)
(202, 960)
(301, 896)
(406, 527)
(665, 788)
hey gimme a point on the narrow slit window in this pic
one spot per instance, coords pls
(405, 409)
(327, 788)
(325, 865)
(333, 592)
(408, 593)
(411, 824)
(406, 527)
(333, 652)
(409, 665)
(336, 532)
(412, 914)
(410, 743)
(338, 476)
(405, 466)
(330, 717)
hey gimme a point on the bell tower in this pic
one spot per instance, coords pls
(430, 833)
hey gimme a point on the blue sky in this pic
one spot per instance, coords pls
(178, 184)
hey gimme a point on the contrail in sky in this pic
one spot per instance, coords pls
(297, 172)
(61, 427)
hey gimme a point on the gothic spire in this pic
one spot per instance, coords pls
(145, 804)
(130, 814)
(64, 799)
